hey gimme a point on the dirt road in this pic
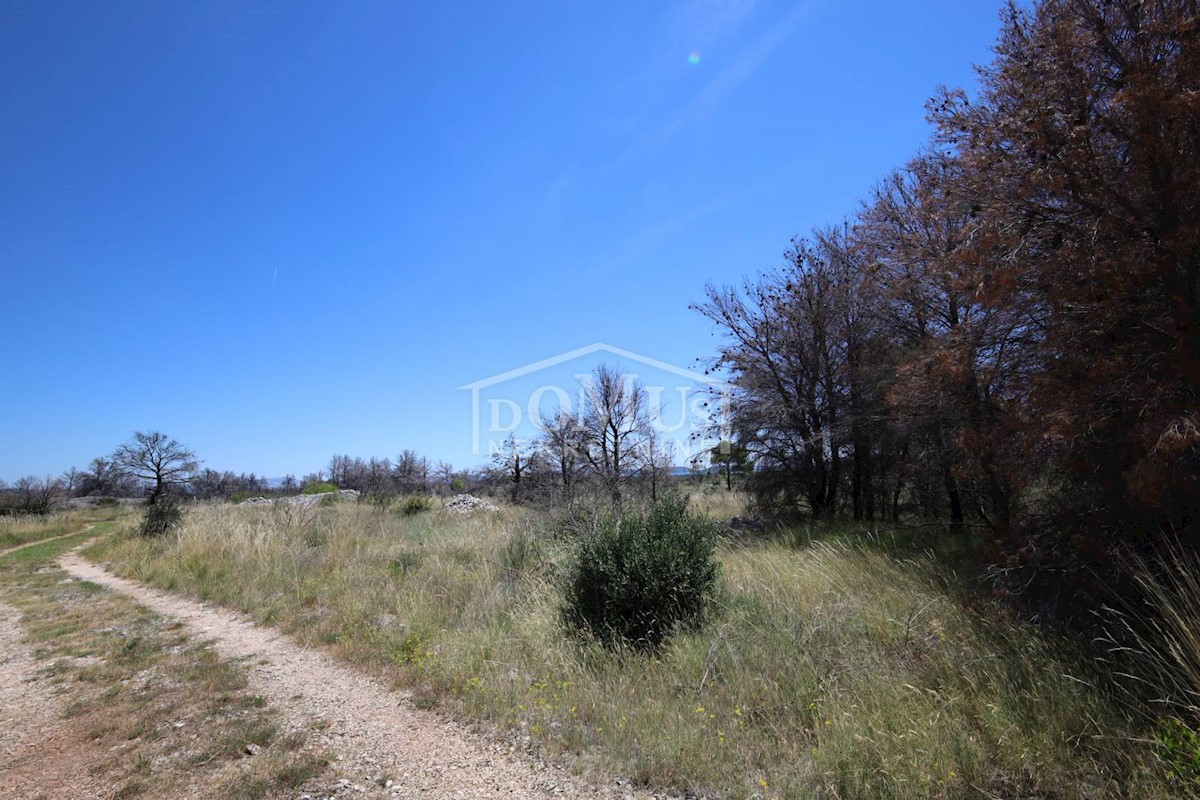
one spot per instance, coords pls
(385, 747)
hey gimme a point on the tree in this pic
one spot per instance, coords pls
(103, 478)
(727, 455)
(1082, 152)
(562, 443)
(30, 495)
(71, 481)
(613, 422)
(1018, 307)
(514, 462)
(158, 460)
(960, 361)
(443, 475)
(411, 472)
(786, 354)
(658, 458)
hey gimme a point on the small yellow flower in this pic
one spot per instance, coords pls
(700, 709)
(762, 782)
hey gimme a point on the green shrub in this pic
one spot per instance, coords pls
(415, 504)
(161, 517)
(381, 500)
(1180, 748)
(318, 488)
(638, 578)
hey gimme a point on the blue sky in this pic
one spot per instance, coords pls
(277, 231)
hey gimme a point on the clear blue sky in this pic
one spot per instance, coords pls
(281, 230)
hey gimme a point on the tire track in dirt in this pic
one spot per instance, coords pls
(3, 553)
(375, 732)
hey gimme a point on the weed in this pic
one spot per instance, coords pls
(415, 504)
(826, 669)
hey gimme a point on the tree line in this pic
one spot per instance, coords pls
(1007, 332)
(153, 465)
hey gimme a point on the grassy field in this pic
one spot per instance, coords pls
(829, 670)
(151, 713)
(16, 531)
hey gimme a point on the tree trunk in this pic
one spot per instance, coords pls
(956, 508)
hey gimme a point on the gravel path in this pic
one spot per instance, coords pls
(384, 746)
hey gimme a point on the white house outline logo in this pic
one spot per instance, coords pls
(596, 347)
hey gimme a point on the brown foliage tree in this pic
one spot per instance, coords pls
(1015, 315)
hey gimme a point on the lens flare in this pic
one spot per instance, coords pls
(694, 58)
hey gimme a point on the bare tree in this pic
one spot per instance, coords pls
(563, 443)
(103, 478)
(412, 472)
(614, 423)
(514, 462)
(339, 471)
(659, 458)
(29, 495)
(443, 475)
(71, 480)
(156, 459)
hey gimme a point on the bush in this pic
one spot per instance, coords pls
(319, 488)
(415, 504)
(638, 578)
(161, 517)
(1180, 749)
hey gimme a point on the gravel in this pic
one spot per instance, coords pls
(467, 504)
(384, 746)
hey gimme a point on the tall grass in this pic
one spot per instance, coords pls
(828, 670)
(23, 529)
(713, 499)
(1157, 646)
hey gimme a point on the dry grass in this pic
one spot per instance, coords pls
(152, 712)
(830, 671)
(713, 499)
(23, 529)
(1157, 648)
